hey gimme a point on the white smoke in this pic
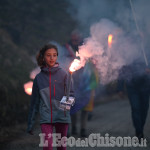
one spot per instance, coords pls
(108, 61)
(34, 72)
(126, 46)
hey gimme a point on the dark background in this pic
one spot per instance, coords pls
(25, 26)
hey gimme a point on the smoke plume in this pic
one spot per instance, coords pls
(105, 17)
(108, 60)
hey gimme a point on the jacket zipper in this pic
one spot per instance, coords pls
(54, 88)
(54, 96)
(50, 93)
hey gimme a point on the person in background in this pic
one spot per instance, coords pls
(91, 80)
(86, 74)
(49, 87)
(73, 44)
(137, 80)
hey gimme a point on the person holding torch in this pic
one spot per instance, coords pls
(49, 86)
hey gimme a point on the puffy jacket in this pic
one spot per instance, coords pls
(49, 87)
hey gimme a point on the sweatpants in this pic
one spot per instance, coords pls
(60, 128)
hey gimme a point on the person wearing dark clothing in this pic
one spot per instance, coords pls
(137, 80)
(73, 44)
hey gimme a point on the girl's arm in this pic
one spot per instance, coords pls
(34, 106)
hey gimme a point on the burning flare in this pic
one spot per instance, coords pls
(75, 65)
(28, 87)
(110, 38)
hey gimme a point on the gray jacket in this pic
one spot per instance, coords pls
(49, 87)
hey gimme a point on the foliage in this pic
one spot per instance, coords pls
(25, 26)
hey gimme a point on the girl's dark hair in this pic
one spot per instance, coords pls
(40, 55)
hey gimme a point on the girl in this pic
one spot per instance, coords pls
(49, 87)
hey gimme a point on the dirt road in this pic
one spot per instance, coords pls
(113, 117)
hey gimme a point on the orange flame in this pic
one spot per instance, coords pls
(110, 38)
(75, 65)
(28, 87)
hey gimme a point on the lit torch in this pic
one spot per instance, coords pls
(74, 66)
(28, 87)
(67, 101)
(110, 38)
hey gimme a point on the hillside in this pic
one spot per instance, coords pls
(25, 26)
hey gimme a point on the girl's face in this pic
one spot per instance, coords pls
(50, 57)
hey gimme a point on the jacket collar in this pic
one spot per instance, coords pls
(51, 69)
